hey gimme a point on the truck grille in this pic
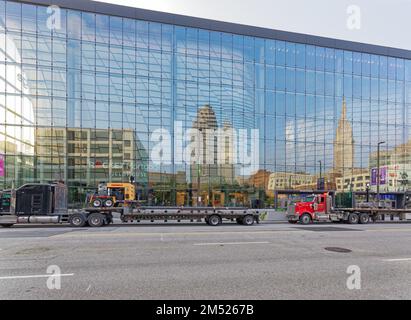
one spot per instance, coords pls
(291, 209)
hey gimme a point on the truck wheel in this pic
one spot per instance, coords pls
(6, 225)
(214, 220)
(353, 218)
(364, 218)
(96, 220)
(248, 220)
(109, 203)
(97, 203)
(77, 220)
(305, 219)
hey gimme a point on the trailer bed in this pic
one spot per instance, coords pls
(373, 210)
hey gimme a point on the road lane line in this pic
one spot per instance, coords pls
(398, 260)
(229, 243)
(388, 230)
(37, 276)
(103, 234)
(199, 233)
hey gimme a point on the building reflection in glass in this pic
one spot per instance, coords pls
(79, 103)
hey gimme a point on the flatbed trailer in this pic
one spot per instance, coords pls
(322, 209)
(47, 203)
(97, 217)
(365, 215)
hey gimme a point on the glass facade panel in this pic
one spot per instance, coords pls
(97, 97)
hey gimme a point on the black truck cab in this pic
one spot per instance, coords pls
(34, 203)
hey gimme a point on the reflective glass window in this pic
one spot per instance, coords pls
(290, 54)
(407, 70)
(13, 16)
(280, 56)
(129, 32)
(88, 26)
(270, 52)
(94, 87)
(348, 62)
(300, 55)
(74, 24)
(116, 31)
(2, 15)
(319, 58)
(310, 57)
(29, 18)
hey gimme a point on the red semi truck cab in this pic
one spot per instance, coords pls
(314, 208)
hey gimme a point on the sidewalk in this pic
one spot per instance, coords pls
(271, 215)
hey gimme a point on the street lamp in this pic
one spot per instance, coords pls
(378, 171)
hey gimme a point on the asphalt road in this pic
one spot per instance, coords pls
(195, 261)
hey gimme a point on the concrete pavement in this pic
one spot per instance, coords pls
(195, 261)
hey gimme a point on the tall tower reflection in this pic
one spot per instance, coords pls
(216, 166)
(344, 144)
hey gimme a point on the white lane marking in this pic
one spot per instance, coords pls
(88, 288)
(229, 243)
(389, 230)
(143, 234)
(37, 276)
(398, 260)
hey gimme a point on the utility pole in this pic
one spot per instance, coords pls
(378, 171)
(198, 184)
(320, 173)
(367, 188)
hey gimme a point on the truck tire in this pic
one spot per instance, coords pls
(214, 220)
(77, 220)
(305, 219)
(364, 218)
(6, 225)
(97, 203)
(353, 218)
(96, 220)
(109, 203)
(248, 220)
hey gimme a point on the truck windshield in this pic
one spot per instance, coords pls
(308, 199)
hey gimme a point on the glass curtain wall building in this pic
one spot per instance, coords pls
(82, 92)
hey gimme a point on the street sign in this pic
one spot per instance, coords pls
(383, 176)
